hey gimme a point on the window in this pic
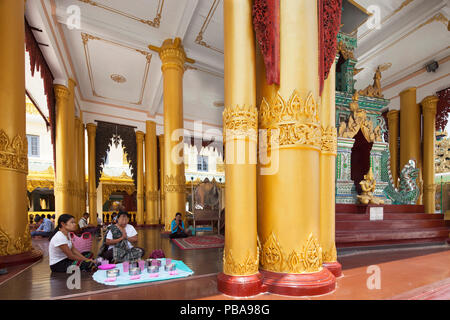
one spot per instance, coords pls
(33, 145)
(202, 163)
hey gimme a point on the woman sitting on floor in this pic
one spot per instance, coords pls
(177, 227)
(117, 245)
(62, 253)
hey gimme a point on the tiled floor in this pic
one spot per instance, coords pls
(414, 273)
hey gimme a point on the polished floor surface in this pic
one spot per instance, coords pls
(408, 273)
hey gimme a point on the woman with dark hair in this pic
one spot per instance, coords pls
(117, 242)
(177, 228)
(62, 253)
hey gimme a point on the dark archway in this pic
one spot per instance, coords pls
(360, 159)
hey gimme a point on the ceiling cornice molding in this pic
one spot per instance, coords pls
(440, 56)
(380, 41)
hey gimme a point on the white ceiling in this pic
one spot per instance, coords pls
(412, 33)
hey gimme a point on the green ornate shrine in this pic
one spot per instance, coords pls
(346, 191)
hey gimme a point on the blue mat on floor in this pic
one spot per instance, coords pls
(124, 278)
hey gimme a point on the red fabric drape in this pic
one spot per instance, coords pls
(443, 109)
(330, 13)
(37, 62)
(266, 22)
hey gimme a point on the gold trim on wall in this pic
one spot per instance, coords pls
(86, 37)
(155, 23)
(199, 40)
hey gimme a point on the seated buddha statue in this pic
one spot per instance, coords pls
(368, 186)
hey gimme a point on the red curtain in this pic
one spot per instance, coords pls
(330, 13)
(37, 62)
(266, 22)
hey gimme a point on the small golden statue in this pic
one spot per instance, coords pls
(374, 90)
(368, 188)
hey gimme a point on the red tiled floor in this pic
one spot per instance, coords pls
(397, 277)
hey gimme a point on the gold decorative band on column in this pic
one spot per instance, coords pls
(330, 255)
(172, 54)
(140, 196)
(240, 121)
(429, 188)
(162, 196)
(329, 141)
(61, 92)
(13, 153)
(294, 122)
(308, 260)
(247, 267)
(175, 184)
(429, 105)
(10, 246)
(153, 195)
(68, 188)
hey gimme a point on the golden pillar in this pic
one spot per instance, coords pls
(393, 122)
(173, 58)
(240, 125)
(151, 174)
(289, 203)
(161, 180)
(429, 106)
(14, 231)
(82, 167)
(327, 174)
(63, 184)
(77, 187)
(71, 156)
(140, 178)
(91, 129)
(410, 133)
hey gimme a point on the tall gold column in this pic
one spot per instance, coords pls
(240, 125)
(393, 122)
(151, 174)
(161, 180)
(289, 206)
(91, 129)
(327, 174)
(71, 156)
(77, 187)
(63, 198)
(173, 59)
(14, 231)
(82, 167)
(140, 178)
(410, 133)
(429, 106)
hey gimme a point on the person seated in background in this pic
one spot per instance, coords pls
(99, 221)
(117, 243)
(44, 227)
(113, 217)
(84, 225)
(177, 228)
(53, 219)
(62, 253)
